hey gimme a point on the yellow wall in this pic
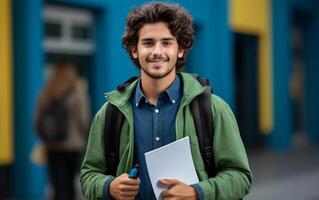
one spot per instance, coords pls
(6, 130)
(253, 17)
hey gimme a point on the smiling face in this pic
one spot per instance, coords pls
(157, 51)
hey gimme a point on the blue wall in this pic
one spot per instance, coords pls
(281, 136)
(212, 54)
(28, 179)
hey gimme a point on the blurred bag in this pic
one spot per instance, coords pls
(53, 122)
(39, 154)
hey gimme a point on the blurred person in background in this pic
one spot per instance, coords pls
(64, 151)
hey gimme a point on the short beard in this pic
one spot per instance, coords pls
(159, 76)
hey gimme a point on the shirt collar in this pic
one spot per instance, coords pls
(173, 92)
(139, 95)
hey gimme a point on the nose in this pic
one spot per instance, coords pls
(157, 48)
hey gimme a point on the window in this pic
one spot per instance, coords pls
(68, 30)
(80, 32)
(53, 29)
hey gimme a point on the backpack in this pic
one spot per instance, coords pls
(202, 115)
(53, 123)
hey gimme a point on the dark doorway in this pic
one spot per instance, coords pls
(5, 182)
(246, 69)
(297, 78)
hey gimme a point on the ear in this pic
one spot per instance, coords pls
(180, 53)
(134, 52)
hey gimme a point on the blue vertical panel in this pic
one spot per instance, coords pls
(28, 180)
(212, 54)
(281, 136)
(100, 60)
(221, 51)
(312, 74)
(19, 45)
(198, 58)
(118, 63)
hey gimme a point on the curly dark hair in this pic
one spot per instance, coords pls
(178, 20)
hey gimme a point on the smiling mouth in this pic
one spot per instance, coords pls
(157, 61)
(157, 64)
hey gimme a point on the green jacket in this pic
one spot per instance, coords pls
(233, 179)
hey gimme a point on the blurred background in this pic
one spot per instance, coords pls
(261, 56)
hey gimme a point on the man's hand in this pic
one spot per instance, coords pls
(123, 187)
(178, 190)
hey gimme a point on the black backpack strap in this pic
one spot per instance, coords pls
(112, 131)
(126, 83)
(203, 81)
(203, 120)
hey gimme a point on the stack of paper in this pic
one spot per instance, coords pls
(172, 161)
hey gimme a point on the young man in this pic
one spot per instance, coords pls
(157, 111)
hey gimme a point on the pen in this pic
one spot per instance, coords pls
(134, 172)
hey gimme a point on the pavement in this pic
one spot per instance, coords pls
(286, 175)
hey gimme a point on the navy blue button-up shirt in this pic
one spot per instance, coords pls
(154, 126)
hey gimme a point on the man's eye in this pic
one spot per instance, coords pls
(167, 43)
(148, 43)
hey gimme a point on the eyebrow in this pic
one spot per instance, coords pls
(162, 39)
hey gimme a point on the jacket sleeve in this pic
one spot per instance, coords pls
(234, 178)
(92, 175)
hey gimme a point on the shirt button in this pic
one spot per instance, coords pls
(173, 101)
(157, 139)
(156, 111)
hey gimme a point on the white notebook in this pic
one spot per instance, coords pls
(172, 161)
